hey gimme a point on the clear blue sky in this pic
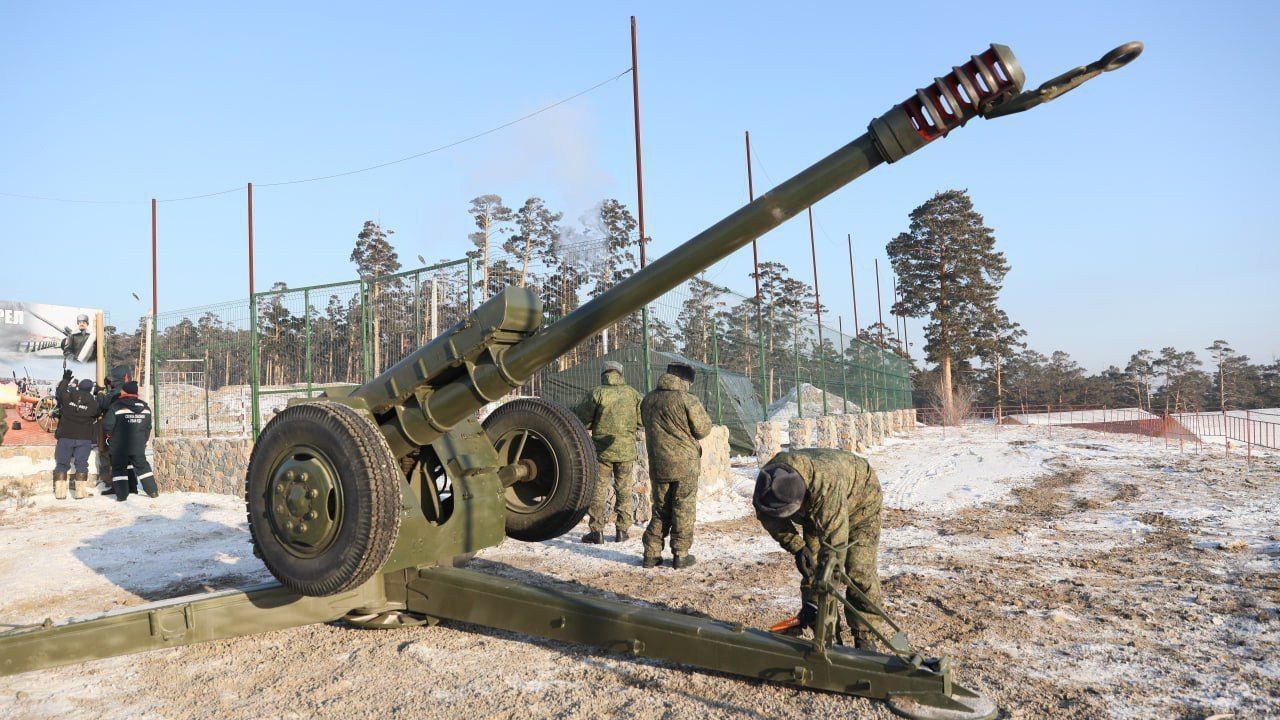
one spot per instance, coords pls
(1136, 212)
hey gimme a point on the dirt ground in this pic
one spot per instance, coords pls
(1121, 580)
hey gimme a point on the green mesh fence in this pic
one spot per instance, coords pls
(225, 369)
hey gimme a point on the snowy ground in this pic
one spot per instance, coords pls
(1082, 575)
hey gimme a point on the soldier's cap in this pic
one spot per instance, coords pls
(684, 371)
(82, 318)
(779, 491)
(612, 366)
(85, 385)
(130, 387)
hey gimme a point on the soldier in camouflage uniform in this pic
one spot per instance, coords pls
(612, 414)
(674, 422)
(804, 498)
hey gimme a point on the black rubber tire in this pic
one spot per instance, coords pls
(369, 477)
(575, 458)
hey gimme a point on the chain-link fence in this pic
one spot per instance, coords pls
(294, 342)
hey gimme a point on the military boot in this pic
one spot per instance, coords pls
(863, 639)
(80, 485)
(621, 535)
(681, 562)
(651, 561)
(593, 538)
(133, 484)
(150, 488)
(122, 489)
(59, 485)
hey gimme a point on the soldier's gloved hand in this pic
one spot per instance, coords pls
(66, 374)
(808, 614)
(805, 562)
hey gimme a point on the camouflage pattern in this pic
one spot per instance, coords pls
(616, 477)
(674, 513)
(674, 422)
(842, 505)
(611, 414)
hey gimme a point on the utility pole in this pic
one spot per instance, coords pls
(853, 284)
(817, 308)
(644, 239)
(879, 307)
(755, 266)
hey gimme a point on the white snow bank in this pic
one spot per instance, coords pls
(785, 408)
(1071, 417)
(90, 555)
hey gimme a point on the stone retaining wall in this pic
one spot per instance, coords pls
(30, 467)
(212, 465)
(854, 432)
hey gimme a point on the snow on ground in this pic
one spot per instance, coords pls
(75, 557)
(1068, 572)
(784, 408)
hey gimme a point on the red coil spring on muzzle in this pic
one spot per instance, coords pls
(971, 89)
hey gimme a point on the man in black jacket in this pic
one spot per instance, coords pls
(77, 430)
(128, 427)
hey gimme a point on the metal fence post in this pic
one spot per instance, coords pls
(844, 371)
(155, 379)
(365, 355)
(644, 348)
(471, 281)
(306, 322)
(799, 395)
(208, 429)
(417, 308)
(764, 363)
(715, 364)
(255, 381)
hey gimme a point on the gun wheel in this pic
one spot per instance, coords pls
(554, 448)
(322, 494)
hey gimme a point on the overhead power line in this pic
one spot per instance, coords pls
(331, 176)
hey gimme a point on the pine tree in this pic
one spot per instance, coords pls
(490, 215)
(695, 323)
(1140, 372)
(374, 256)
(948, 268)
(996, 339)
(538, 231)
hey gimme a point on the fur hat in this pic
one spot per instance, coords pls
(684, 371)
(779, 491)
(612, 365)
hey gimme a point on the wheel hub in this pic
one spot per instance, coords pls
(306, 503)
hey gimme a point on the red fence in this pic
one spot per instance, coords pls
(1245, 428)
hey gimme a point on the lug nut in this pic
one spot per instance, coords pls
(302, 477)
(313, 493)
(280, 488)
(289, 526)
(313, 515)
(280, 508)
(288, 475)
(302, 528)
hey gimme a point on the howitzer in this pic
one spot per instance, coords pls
(361, 502)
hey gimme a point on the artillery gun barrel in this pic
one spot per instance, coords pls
(415, 402)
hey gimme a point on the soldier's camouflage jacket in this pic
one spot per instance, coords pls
(674, 422)
(612, 414)
(839, 484)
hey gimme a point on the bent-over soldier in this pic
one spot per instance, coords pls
(811, 497)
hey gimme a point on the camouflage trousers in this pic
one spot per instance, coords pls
(614, 476)
(860, 560)
(674, 512)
